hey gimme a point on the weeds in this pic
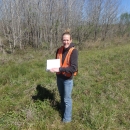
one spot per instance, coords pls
(101, 91)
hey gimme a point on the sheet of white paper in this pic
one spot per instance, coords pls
(53, 63)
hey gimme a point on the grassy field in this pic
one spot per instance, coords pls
(29, 99)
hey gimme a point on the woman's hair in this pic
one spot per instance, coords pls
(67, 32)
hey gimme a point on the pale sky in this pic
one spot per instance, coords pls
(125, 6)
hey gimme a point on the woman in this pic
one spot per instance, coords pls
(68, 56)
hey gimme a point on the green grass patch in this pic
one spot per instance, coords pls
(101, 94)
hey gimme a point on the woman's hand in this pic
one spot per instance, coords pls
(53, 70)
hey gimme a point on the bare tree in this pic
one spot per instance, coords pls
(39, 23)
(108, 16)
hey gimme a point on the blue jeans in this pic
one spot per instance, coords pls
(65, 90)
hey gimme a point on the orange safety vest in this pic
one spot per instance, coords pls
(66, 61)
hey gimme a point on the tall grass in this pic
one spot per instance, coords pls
(101, 94)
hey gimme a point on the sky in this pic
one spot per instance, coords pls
(125, 6)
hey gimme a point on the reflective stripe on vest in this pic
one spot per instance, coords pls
(66, 62)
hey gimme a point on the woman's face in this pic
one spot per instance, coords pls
(66, 40)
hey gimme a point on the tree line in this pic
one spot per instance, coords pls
(40, 23)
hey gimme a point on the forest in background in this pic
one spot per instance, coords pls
(40, 23)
